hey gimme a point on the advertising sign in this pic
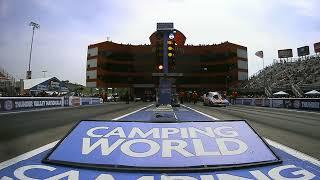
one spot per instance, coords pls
(74, 101)
(85, 101)
(316, 47)
(164, 26)
(247, 101)
(310, 104)
(277, 103)
(10, 104)
(156, 146)
(285, 53)
(303, 51)
(258, 102)
(95, 101)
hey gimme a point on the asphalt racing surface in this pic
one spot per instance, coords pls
(299, 130)
(25, 131)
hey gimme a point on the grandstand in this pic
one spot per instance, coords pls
(8, 83)
(295, 76)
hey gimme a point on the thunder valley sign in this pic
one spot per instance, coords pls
(161, 146)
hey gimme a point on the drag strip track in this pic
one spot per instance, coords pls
(294, 164)
(24, 131)
(296, 129)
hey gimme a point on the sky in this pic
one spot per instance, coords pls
(67, 27)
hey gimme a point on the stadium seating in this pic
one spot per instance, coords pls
(299, 73)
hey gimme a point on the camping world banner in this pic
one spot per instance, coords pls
(104, 144)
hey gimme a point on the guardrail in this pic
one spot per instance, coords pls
(291, 103)
(25, 103)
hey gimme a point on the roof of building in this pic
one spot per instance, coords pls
(29, 83)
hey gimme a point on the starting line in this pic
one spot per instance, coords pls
(295, 165)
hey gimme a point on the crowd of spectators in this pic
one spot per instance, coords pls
(282, 74)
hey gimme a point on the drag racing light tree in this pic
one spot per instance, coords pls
(171, 52)
(159, 53)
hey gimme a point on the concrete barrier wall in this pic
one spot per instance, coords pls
(291, 103)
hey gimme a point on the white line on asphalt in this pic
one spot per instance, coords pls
(294, 152)
(175, 116)
(27, 155)
(286, 149)
(41, 149)
(132, 112)
(201, 112)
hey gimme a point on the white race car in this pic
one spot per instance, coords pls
(214, 99)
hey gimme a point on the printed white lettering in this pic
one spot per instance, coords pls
(225, 151)
(105, 177)
(208, 132)
(154, 148)
(154, 131)
(199, 149)
(169, 131)
(71, 175)
(164, 177)
(231, 133)
(116, 132)
(91, 134)
(275, 173)
(103, 142)
(168, 146)
(259, 175)
(20, 172)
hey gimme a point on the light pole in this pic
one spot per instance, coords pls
(34, 26)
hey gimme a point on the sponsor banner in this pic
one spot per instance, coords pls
(277, 103)
(238, 101)
(316, 47)
(74, 101)
(296, 104)
(10, 104)
(312, 104)
(258, 102)
(85, 101)
(303, 51)
(247, 101)
(66, 101)
(285, 53)
(161, 145)
(95, 101)
(41, 87)
(266, 102)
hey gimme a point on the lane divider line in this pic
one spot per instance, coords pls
(282, 147)
(115, 119)
(41, 149)
(214, 118)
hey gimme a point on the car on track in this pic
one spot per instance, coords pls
(214, 99)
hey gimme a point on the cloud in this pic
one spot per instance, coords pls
(68, 27)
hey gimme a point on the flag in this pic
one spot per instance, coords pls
(259, 54)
